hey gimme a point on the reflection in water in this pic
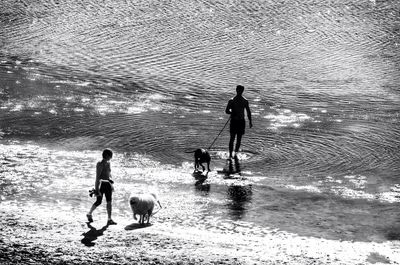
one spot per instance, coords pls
(200, 183)
(393, 232)
(232, 168)
(240, 196)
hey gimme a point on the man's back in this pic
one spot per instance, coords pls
(237, 105)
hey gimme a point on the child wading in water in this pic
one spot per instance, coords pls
(103, 186)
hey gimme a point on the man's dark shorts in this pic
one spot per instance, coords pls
(237, 127)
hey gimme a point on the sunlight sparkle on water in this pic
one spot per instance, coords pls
(287, 118)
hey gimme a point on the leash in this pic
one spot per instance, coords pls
(219, 133)
(158, 208)
(155, 212)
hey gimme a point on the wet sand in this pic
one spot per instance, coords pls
(37, 235)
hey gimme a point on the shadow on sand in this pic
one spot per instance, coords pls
(91, 235)
(135, 226)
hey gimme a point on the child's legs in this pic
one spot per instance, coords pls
(109, 209)
(96, 203)
(108, 195)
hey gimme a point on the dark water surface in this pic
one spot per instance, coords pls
(151, 79)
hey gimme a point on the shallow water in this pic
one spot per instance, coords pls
(151, 80)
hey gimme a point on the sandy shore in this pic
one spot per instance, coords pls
(31, 235)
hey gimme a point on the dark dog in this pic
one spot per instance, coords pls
(201, 156)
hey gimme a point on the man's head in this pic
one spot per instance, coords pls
(239, 89)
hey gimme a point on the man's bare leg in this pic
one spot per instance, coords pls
(231, 141)
(238, 142)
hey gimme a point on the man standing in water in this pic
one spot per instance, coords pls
(235, 108)
(103, 186)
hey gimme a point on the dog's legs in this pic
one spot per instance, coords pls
(148, 216)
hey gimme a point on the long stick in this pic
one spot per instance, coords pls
(219, 133)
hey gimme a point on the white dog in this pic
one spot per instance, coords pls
(143, 205)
